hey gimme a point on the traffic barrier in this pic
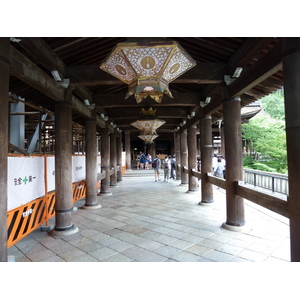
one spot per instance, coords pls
(23, 220)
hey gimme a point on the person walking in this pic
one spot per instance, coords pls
(173, 167)
(223, 161)
(219, 169)
(148, 161)
(142, 160)
(156, 165)
(167, 167)
(138, 159)
(214, 162)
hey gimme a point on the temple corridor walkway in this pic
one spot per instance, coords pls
(147, 221)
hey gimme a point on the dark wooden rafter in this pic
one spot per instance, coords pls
(250, 78)
(78, 60)
(91, 75)
(22, 68)
(117, 100)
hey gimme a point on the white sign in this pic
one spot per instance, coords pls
(51, 173)
(25, 181)
(78, 168)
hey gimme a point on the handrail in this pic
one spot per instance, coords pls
(220, 182)
(263, 174)
(196, 174)
(268, 201)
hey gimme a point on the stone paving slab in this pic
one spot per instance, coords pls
(147, 221)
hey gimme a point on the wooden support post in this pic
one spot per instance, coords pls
(234, 163)
(119, 157)
(183, 155)
(105, 161)
(291, 69)
(192, 158)
(152, 150)
(178, 156)
(113, 159)
(91, 165)
(128, 150)
(4, 115)
(63, 168)
(206, 147)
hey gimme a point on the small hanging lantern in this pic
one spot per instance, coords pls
(148, 136)
(148, 125)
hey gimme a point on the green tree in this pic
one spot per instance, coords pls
(267, 143)
(273, 105)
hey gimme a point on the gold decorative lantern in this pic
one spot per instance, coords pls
(148, 66)
(148, 125)
(148, 136)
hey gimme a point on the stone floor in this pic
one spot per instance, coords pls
(147, 221)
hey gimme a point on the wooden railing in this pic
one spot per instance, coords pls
(271, 202)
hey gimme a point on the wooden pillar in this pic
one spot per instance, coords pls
(192, 158)
(207, 195)
(113, 159)
(4, 115)
(128, 150)
(178, 155)
(234, 163)
(119, 157)
(63, 168)
(291, 73)
(183, 155)
(91, 165)
(222, 150)
(152, 150)
(105, 161)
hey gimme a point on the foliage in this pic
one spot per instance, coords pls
(267, 141)
(273, 105)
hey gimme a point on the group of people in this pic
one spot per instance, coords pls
(143, 161)
(168, 164)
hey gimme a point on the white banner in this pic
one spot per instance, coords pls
(51, 173)
(26, 177)
(25, 181)
(98, 163)
(78, 168)
(123, 158)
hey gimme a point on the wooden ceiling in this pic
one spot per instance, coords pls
(78, 60)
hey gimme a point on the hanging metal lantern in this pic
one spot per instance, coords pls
(148, 66)
(148, 124)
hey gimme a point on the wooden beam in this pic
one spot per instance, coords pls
(24, 69)
(250, 77)
(12, 148)
(40, 50)
(268, 201)
(261, 70)
(91, 75)
(251, 47)
(117, 100)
